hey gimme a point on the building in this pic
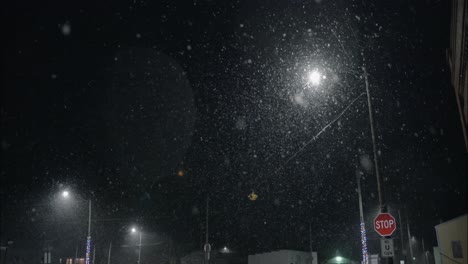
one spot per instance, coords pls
(452, 238)
(284, 257)
(457, 56)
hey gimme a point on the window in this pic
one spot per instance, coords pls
(457, 249)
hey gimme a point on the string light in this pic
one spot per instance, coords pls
(365, 256)
(88, 249)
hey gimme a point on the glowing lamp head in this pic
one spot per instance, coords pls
(314, 77)
(339, 259)
(133, 230)
(65, 194)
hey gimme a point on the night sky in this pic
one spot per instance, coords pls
(147, 108)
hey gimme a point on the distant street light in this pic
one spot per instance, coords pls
(139, 230)
(225, 250)
(65, 194)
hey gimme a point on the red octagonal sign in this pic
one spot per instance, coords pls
(384, 224)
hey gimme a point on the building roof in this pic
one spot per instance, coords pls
(452, 220)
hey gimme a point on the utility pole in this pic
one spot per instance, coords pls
(139, 246)
(76, 255)
(424, 250)
(383, 206)
(409, 237)
(88, 239)
(207, 247)
(310, 244)
(380, 190)
(401, 233)
(94, 254)
(109, 254)
(365, 257)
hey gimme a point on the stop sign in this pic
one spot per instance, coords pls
(384, 224)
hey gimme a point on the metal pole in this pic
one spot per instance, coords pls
(88, 240)
(109, 254)
(424, 251)
(89, 219)
(361, 211)
(401, 233)
(207, 247)
(310, 244)
(139, 248)
(5, 255)
(206, 221)
(76, 254)
(383, 207)
(365, 257)
(94, 254)
(409, 237)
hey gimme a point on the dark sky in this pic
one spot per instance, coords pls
(112, 99)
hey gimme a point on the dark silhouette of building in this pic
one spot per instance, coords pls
(457, 55)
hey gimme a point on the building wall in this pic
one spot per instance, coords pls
(452, 239)
(457, 55)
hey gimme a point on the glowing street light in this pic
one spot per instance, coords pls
(225, 250)
(315, 77)
(135, 230)
(339, 259)
(65, 194)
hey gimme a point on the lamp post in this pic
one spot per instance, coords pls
(66, 195)
(382, 203)
(207, 246)
(409, 237)
(134, 230)
(365, 256)
(314, 78)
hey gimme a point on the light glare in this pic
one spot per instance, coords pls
(315, 77)
(65, 194)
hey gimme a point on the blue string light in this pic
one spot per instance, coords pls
(365, 256)
(88, 249)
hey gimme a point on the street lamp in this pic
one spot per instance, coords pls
(66, 195)
(225, 250)
(139, 230)
(314, 77)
